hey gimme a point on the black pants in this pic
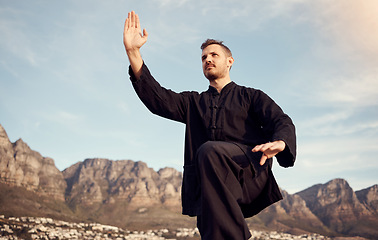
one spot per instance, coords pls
(227, 180)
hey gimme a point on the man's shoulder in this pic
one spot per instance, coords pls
(246, 89)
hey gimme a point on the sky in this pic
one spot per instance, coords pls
(65, 89)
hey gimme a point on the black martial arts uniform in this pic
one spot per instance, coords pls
(223, 180)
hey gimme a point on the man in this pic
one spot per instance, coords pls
(232, 133)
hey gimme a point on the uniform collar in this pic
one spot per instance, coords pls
(224, 90)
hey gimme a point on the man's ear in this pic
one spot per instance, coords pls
(230, 61)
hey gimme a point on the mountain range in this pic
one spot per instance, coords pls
(131, 195)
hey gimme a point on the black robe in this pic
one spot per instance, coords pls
(238, 114)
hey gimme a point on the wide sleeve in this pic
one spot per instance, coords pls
(276, 126)
(159, 100)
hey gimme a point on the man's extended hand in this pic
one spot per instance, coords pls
(269, 150)
(132, 34)
(133, 41)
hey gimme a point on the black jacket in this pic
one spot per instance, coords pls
(237, 114)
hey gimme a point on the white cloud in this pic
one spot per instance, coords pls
(338, 123)
(320, 126)
(197, 15)
(343, 56)
(357, 92)
(351, 25)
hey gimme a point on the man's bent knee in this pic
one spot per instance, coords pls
(210, 148)
(208, 151)
(212, 151)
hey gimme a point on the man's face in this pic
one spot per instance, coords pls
(215, 63)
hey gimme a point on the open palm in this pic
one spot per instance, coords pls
(132, 35)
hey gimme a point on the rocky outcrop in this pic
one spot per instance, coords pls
(334, 202)
(327, 209)
(170, 187)
(337, 206)
(105, 181)
(292, 214)
(124, 193)
(21, 166)
(369, 197)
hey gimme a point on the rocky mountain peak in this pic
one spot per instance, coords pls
(334, 203)
(102, 180)
(22, 146)
(3, 133)
(21, 166)
(4, 140)
(369, 197)
(335, 191)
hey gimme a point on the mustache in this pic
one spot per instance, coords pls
(209, 65)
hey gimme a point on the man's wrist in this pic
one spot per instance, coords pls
(133, 52)
(136, 61)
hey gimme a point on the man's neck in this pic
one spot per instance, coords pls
(219, 83)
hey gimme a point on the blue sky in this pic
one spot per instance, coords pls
(65, 90)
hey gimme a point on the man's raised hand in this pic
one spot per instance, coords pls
(132, 34)
(133, 39)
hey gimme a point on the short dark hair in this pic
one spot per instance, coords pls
(220, 43)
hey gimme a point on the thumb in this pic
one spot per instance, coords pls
(145, 34)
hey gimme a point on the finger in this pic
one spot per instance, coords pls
(256, 148)
(262, 147)
(129, 17)
(132, 19)
(137, 23)
(127, 24)
(266, 146)
(263, 159)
